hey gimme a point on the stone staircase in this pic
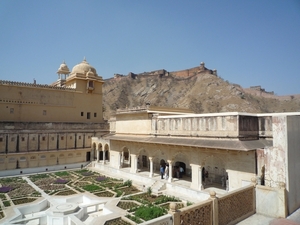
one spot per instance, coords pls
(158, 187)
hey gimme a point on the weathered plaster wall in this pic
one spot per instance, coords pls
(271, 201)
(45, 104)
(265, 126)
(138, 123)
(204, 126)
(38, 159)
(276, 156)
(293, 168)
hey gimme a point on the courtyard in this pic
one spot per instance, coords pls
(86, 194)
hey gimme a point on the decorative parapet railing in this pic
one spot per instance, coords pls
(133, 109)
(215, 125)
(201, 213)
(236, 206)
(23, 84)
(227, 209)
(197, 125)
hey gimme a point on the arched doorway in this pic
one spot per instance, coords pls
(162, 162)
(125, 157)
(179, 169)
(143, 162)
(215, 174)
(100, 152)
(106, 149)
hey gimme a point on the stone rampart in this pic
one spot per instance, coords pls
(23, 84)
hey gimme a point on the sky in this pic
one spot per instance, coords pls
(249, 42)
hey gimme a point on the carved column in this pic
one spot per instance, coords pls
(119, 160)
(97, 150)
(196, 177)
(170, 171)
(133, 168)
(151, 167)
(103, 156)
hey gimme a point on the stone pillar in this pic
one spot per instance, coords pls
(97, 150)
(133, 168)
(151, 167)
(196, 177)
(103, 152)
(170, 171)
(175, 214)
(122, 159)
(215, 207)
(119, 160)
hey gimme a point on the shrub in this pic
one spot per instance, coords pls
(128, 183)
(23, 200)
(6, 203)
(62, 174)
(119, 193)
(189, 203)
(91, 188)
(149, 212)
(149, 191)
(163, 199)
(38, 176)
(2, 196)
(134, 218)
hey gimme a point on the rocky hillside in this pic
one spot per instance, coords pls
(201, 91)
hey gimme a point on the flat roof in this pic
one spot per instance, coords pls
(232, 114)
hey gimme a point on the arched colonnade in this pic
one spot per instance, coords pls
(199, 168)
(100, 149)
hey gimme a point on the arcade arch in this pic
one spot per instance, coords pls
(181, 165)
(214, 170)
(100, 152)
(106, 153)
(125, 158)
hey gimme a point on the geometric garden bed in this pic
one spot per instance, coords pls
(140, 206)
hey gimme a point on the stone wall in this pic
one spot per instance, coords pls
(198, 126)
(43, 103)
(271, 202)
(23, 126)
(265, 126)
(20, 161)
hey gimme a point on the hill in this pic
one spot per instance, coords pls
(198, 89)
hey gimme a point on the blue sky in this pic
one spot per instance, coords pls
(249, 42)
